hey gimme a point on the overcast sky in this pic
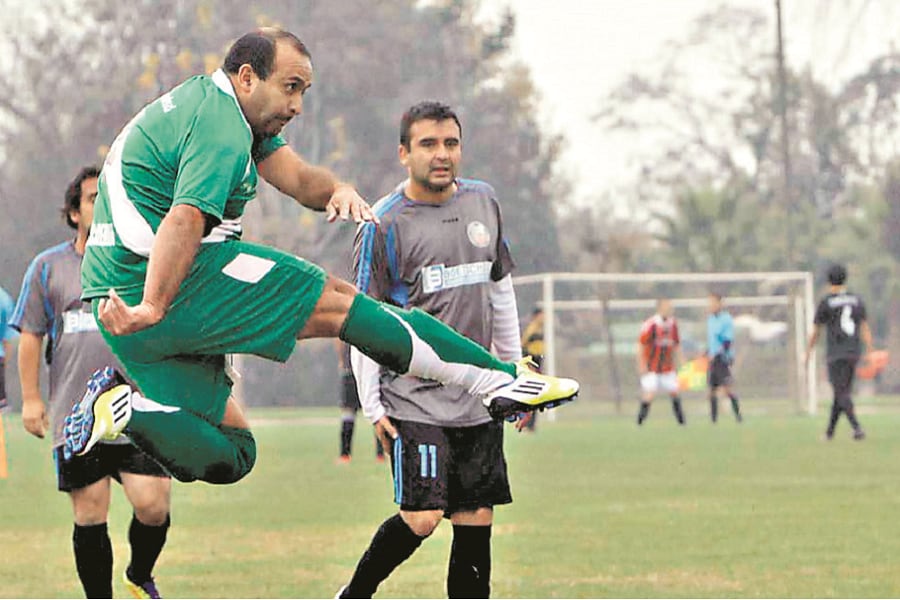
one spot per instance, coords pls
(578, 50)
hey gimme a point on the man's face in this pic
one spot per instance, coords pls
(434, 153)
(271, 103)
(715, 303)
(84, 216)
(665, 309)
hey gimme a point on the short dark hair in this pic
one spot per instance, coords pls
(427, 110)
(73, 193)
(257, 49)
(837, 274)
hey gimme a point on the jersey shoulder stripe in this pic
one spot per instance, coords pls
(382, 209)
(39, 262)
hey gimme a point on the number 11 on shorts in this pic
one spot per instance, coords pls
(428, 460)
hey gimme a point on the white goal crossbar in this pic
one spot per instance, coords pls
(803, 306)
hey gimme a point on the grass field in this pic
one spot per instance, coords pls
(602, 509)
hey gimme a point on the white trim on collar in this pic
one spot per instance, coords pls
(220, 78)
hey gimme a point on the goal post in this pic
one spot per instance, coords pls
(630, 297)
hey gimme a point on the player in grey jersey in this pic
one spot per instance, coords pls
(843, 315)
(440, 248)
(50, 306)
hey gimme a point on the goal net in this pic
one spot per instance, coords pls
(592, 320)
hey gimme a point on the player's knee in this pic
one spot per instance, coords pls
(152, 509)
(423, 522)
(89, 511)
(152, 514)
(331, 310)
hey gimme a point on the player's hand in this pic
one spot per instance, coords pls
(120, 319)
(346, 203)
(34, 417)
(386, 433)
(523, 420)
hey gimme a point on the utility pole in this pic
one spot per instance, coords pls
(787, 194)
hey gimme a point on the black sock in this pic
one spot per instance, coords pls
(393, 543)
(642, 414)
(713, 407)
(147, 542)
(832, 421)
(93, 559)
(469, 574)
(736, 407)
(346, 436)
(676, 408)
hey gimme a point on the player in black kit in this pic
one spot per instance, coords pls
(843, 315)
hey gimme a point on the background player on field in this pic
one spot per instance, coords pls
(843, 315)
(350, 405)
(720, 350)
(439, 247)
(50, 305)
(658, 359)
(175, 288)
(7, 334)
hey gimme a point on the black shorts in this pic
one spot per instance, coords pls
(841, 372)
(719, 373)
(449, 468)
(104, 460)
(349, 395)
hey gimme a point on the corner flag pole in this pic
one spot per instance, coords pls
(4, 469)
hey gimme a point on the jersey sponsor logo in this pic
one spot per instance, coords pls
(439, 277)
(168, 104)
(102, 234)
(77, 321)
(478, 234)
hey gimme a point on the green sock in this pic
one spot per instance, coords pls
(404, 340)
(190, 447)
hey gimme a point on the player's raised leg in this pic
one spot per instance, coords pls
(412, 342)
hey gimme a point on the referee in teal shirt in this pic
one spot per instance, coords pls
(720, 350)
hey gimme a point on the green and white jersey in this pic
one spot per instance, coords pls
(193, 146)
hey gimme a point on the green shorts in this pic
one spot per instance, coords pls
(239, 298)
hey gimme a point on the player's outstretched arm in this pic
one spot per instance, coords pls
(171, 257)
(314, 187)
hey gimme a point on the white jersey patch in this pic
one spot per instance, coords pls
(248, 268)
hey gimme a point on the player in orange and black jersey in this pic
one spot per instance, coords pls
(660, 352)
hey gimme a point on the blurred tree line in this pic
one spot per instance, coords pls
(80, 69)
(710, 192)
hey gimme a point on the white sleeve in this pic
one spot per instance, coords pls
(368, 384)
(505, 336)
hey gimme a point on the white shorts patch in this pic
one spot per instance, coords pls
(653, 382)
(248, 268)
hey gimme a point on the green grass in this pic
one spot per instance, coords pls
(602, 509)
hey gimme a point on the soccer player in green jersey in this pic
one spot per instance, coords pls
(175, 289)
